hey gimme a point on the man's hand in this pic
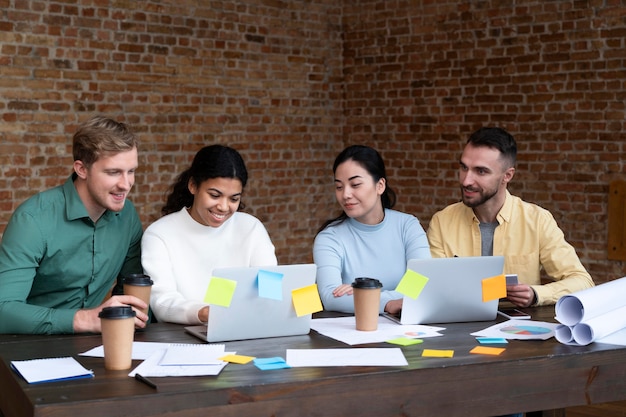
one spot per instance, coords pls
(521, 295)
(87, 321)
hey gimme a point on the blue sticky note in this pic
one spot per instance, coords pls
(491, 340)
(267, 364)
(268, 360)
(270, 284)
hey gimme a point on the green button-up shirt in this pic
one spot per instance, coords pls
(54, 260)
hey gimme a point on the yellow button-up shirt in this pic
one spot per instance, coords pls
(527, 236)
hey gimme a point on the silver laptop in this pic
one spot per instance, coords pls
(453, 292)
(250, 316)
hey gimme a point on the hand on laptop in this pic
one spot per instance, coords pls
(394, 306)
(203, 314)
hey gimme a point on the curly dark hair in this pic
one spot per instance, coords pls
(214, 161)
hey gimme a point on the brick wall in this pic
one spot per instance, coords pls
(261, 76)
(421, 75)
(289, 83)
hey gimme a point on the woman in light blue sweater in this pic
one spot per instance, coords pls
(368, 239)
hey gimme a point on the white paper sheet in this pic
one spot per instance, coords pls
(617, 338)
(343, 329)
(599, 327)
(520, 330)
(346, 357)
(141, 350)
(151, 368)
(192, 354)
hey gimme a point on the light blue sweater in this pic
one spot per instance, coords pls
(351, 249)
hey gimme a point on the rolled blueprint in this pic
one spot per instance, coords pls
(600, 326)
(583, 305)
(563, 334)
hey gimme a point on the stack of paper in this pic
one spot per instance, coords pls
(52, 369)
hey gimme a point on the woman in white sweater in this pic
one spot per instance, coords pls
(202, 229)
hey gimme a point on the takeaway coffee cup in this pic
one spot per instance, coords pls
(366, 303)
(118, 331)
(138, 285)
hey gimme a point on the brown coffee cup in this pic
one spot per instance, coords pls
(366, 293)
(138, 285)
(118, 332)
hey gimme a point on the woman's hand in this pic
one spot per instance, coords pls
(343, 289)
(394, 306)
(203, 314)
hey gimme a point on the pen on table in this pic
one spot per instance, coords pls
(145, 381)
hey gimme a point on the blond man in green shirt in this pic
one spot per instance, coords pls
(63, 248)
(491, 221)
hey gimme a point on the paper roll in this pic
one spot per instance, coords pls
(563, 334)
(599, 326)
(583, 305)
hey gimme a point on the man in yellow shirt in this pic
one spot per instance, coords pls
(491, 221)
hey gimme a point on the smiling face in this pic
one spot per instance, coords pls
(358, 193)
(483, 176)
(106, 183)
(215, 200)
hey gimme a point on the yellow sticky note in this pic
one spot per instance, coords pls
(483, 350)
(412, 284)
(240, 359)
(494, 288)
(436, 353)
(220, 291)
(306, 300)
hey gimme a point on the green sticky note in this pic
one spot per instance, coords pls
(412, 284)
(220, 291)
(405, 341)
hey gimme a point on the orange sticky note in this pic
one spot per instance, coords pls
(220, 291)
(412, 284)
(437, 353)
(483, 350)
(306, 300)
(494, 288)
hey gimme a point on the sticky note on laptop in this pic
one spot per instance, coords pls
(306, 300)
(494, 288)
(270, 284)
(412, 284)
(220, 291)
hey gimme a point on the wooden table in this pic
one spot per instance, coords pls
(529, 375)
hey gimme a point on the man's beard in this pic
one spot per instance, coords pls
(483, 198)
